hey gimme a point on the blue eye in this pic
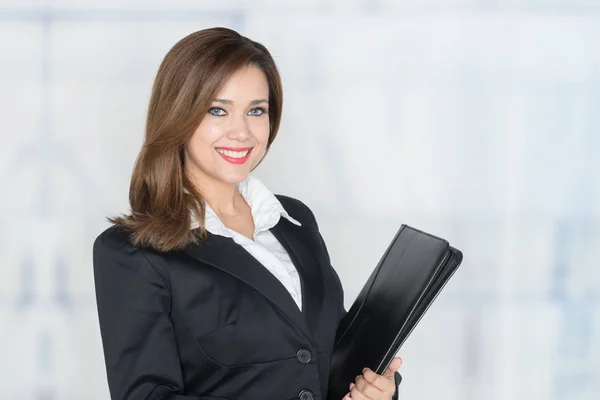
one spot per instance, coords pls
(257, 112)
(216, 111)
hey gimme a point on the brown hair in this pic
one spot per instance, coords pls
(162, 198)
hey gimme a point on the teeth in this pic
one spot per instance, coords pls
(233, 154)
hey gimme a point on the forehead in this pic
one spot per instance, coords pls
(245, 83)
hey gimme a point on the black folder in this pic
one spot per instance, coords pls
(407, 279)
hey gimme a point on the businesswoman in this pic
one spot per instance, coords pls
(213, 287)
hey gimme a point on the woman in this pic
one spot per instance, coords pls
(213, 287)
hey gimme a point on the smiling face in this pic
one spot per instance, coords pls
(233, 135)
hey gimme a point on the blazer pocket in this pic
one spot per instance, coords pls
(224, 326)
(191, 397)
(219, 344)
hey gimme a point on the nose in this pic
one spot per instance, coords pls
(239, 129)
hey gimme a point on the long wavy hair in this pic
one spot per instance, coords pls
(162, 198)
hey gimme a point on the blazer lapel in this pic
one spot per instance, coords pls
(223, 253)
(297, 243)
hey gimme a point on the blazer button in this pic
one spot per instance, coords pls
(303, 356)
(306, 395)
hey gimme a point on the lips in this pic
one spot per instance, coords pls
(234, 155)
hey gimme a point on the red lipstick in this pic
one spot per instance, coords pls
(232, 159)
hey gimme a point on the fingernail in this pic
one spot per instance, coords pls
(364, 369)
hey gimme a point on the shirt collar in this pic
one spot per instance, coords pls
(266, 209)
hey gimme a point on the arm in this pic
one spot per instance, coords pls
(139, 344)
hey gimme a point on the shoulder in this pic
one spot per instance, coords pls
(113, 250)
(297, 209)
(114, 240)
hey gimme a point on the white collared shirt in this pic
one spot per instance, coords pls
(266, 211)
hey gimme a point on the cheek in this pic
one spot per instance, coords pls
(198, 145)
(197, 151)
(260, 131)
(199, 148)
(203, 138)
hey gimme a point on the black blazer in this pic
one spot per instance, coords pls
(210, 322)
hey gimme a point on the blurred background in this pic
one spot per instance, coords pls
(475, 120)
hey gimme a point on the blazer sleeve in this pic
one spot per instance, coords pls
(397, 380)
(133, 302)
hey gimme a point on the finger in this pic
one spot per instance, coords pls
(393, 367)
(383, 384)
(357, 394)
(370, 391)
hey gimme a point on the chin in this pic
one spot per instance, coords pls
(233, 177)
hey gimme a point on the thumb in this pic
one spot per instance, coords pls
(393, 367)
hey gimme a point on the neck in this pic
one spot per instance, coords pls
(223, 198)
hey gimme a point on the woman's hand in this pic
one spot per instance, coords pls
(370, 386)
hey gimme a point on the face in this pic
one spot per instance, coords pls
(232, 137)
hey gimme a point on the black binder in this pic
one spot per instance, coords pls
(407, 279)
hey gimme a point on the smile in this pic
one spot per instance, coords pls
(234, 156)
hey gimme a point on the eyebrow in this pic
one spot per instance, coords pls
(253, 102)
